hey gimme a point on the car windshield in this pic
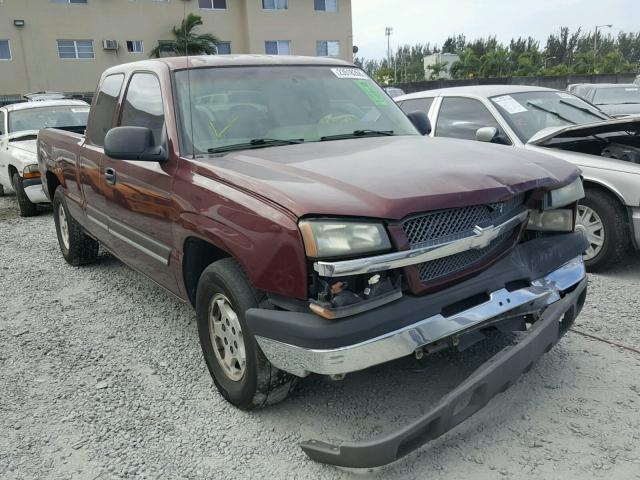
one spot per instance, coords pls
(45, 117)
(258, 107)
(617, 95)
(529, 112)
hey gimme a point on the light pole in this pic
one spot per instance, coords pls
(545, 61)
(595, 43)
(388, 31)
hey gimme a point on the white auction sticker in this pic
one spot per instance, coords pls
(349, 73)
(565, 95)
(632, 89)
(509, 104)
(80, 110)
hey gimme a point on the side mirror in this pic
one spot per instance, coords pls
(421, 121)
(133, 143)
(487, 134)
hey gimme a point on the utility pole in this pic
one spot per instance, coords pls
(388, 31)
(595, 44)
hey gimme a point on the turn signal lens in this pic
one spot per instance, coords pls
(31, 171)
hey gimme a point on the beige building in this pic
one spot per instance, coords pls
(64, 45)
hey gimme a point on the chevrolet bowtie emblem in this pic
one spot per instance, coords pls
(484, 236)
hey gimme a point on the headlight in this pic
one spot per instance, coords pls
(337, 238)
(31, 171)
(561, 197)
(560, 220)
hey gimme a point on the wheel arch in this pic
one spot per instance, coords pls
(198, 254)
(606, 188)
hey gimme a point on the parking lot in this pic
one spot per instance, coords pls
(102, 376)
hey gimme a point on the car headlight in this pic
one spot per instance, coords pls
(560, 220)
(338, 238)
(563, 196)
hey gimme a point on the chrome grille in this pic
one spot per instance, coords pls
(458, 262)
(447, 225)
(440, 225)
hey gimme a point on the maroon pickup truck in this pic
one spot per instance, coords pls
(316, 230)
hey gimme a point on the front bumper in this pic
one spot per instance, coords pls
(533, 276)
(493, 377)
(502, 304)
(34, 190)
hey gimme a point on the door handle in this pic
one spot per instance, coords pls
(110, 175)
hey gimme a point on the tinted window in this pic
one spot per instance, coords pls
(104, 108)
(143, 104)
(461, 117)
(416, 105)
(3, 130)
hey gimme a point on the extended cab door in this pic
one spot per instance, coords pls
(137, 194)
(102, 118)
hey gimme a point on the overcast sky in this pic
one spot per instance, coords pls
(422, 21)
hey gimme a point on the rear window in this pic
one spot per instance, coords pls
(48, 117)
(104, 109)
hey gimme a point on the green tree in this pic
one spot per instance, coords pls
(495, 63)
(188, 42)
(437, 69)
(529, 64)
(467, 67)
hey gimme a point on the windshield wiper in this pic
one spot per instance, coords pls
(358, 133)
(583, 109)
(256, 143)
(564, 119)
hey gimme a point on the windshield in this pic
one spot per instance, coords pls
(44, 117)
(238, 105)
(529, 112)
(617, 95)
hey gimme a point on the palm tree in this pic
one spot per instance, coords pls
(188, 42)
(467, 67)
(437, 69)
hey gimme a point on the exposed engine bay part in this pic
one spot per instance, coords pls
(623, 152)
(354, 294)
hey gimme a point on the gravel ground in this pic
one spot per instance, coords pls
(101, 376)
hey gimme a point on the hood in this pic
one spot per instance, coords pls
(546, 134)
(29, 146)
(623, 109)
(385, 177)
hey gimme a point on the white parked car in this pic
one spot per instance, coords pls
(19, 126)
(558, 123)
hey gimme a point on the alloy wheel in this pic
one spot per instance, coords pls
(590, 223)
(226, 337)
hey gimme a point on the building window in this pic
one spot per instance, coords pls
(5, 51)
(68, 1)
(277, 47)
(224, 48)
(135, 46)
(275, 4)
(328, 48)
(75, 49)
(326, 5)
(213, 4)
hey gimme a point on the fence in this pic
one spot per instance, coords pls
(558, 82)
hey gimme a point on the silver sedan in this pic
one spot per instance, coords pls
(563, 125)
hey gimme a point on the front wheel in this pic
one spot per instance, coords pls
(240, 371)
(27, 208)
(603, 221)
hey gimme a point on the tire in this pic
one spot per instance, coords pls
(258, 383)
(1, 190)
(610, 216)
(76, 246)
(27, 209)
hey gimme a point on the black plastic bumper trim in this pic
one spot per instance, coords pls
(490, 379)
